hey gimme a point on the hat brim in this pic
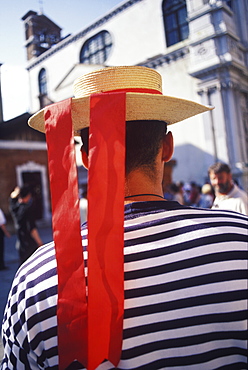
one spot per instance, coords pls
(139, 106)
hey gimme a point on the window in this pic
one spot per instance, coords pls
(26, 31)
(175, 21)
(229, 3)
(96, 49)
(42, 82)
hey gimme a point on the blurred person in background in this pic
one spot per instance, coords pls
(228, 196)
(194, 194)
(206, 197)
(28, 238)
(176, 192)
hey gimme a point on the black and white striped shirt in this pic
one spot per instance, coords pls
(185, 294)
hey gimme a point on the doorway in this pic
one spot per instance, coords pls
(35, 175)
(33, 179)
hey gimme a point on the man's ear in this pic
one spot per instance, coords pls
(85, 158)
(168, 147)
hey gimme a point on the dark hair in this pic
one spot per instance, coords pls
(143, 140)
(24, 191)
(219, 167)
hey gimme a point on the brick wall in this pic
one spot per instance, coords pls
(10, 159)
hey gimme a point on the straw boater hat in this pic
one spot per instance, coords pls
(149, 104)
(90, 324)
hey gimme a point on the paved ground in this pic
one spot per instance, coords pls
(11, 261)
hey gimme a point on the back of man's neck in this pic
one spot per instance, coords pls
(138, 182)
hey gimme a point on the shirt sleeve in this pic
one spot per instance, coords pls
(242, 207)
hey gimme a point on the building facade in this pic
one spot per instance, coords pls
(23, 154)
(198, 46)
(200, 49)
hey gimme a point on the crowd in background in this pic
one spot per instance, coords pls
(191, 194)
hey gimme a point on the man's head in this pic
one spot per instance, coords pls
(144, 139)
(220, 178)
(25, 194)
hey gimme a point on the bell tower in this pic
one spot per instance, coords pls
(40, 33)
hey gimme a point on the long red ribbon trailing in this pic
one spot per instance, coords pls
(105, 227)
(72, 305)
(89, 336)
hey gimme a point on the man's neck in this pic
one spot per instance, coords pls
(141, 187)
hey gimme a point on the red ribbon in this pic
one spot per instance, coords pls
(72, 305)
(105, 227)
(105, 231)
(135, 90)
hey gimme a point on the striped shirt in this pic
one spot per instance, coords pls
(185, 294)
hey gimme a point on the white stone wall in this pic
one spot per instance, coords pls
(137, 34)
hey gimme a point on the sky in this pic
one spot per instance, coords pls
(71, 15)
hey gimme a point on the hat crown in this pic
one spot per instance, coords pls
(117, 78)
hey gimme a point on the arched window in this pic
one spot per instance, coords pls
(175, 21)
(96, 49)
(42, 82)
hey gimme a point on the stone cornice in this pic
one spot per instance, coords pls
(209, 70)
(162, 59)
(211, 7)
